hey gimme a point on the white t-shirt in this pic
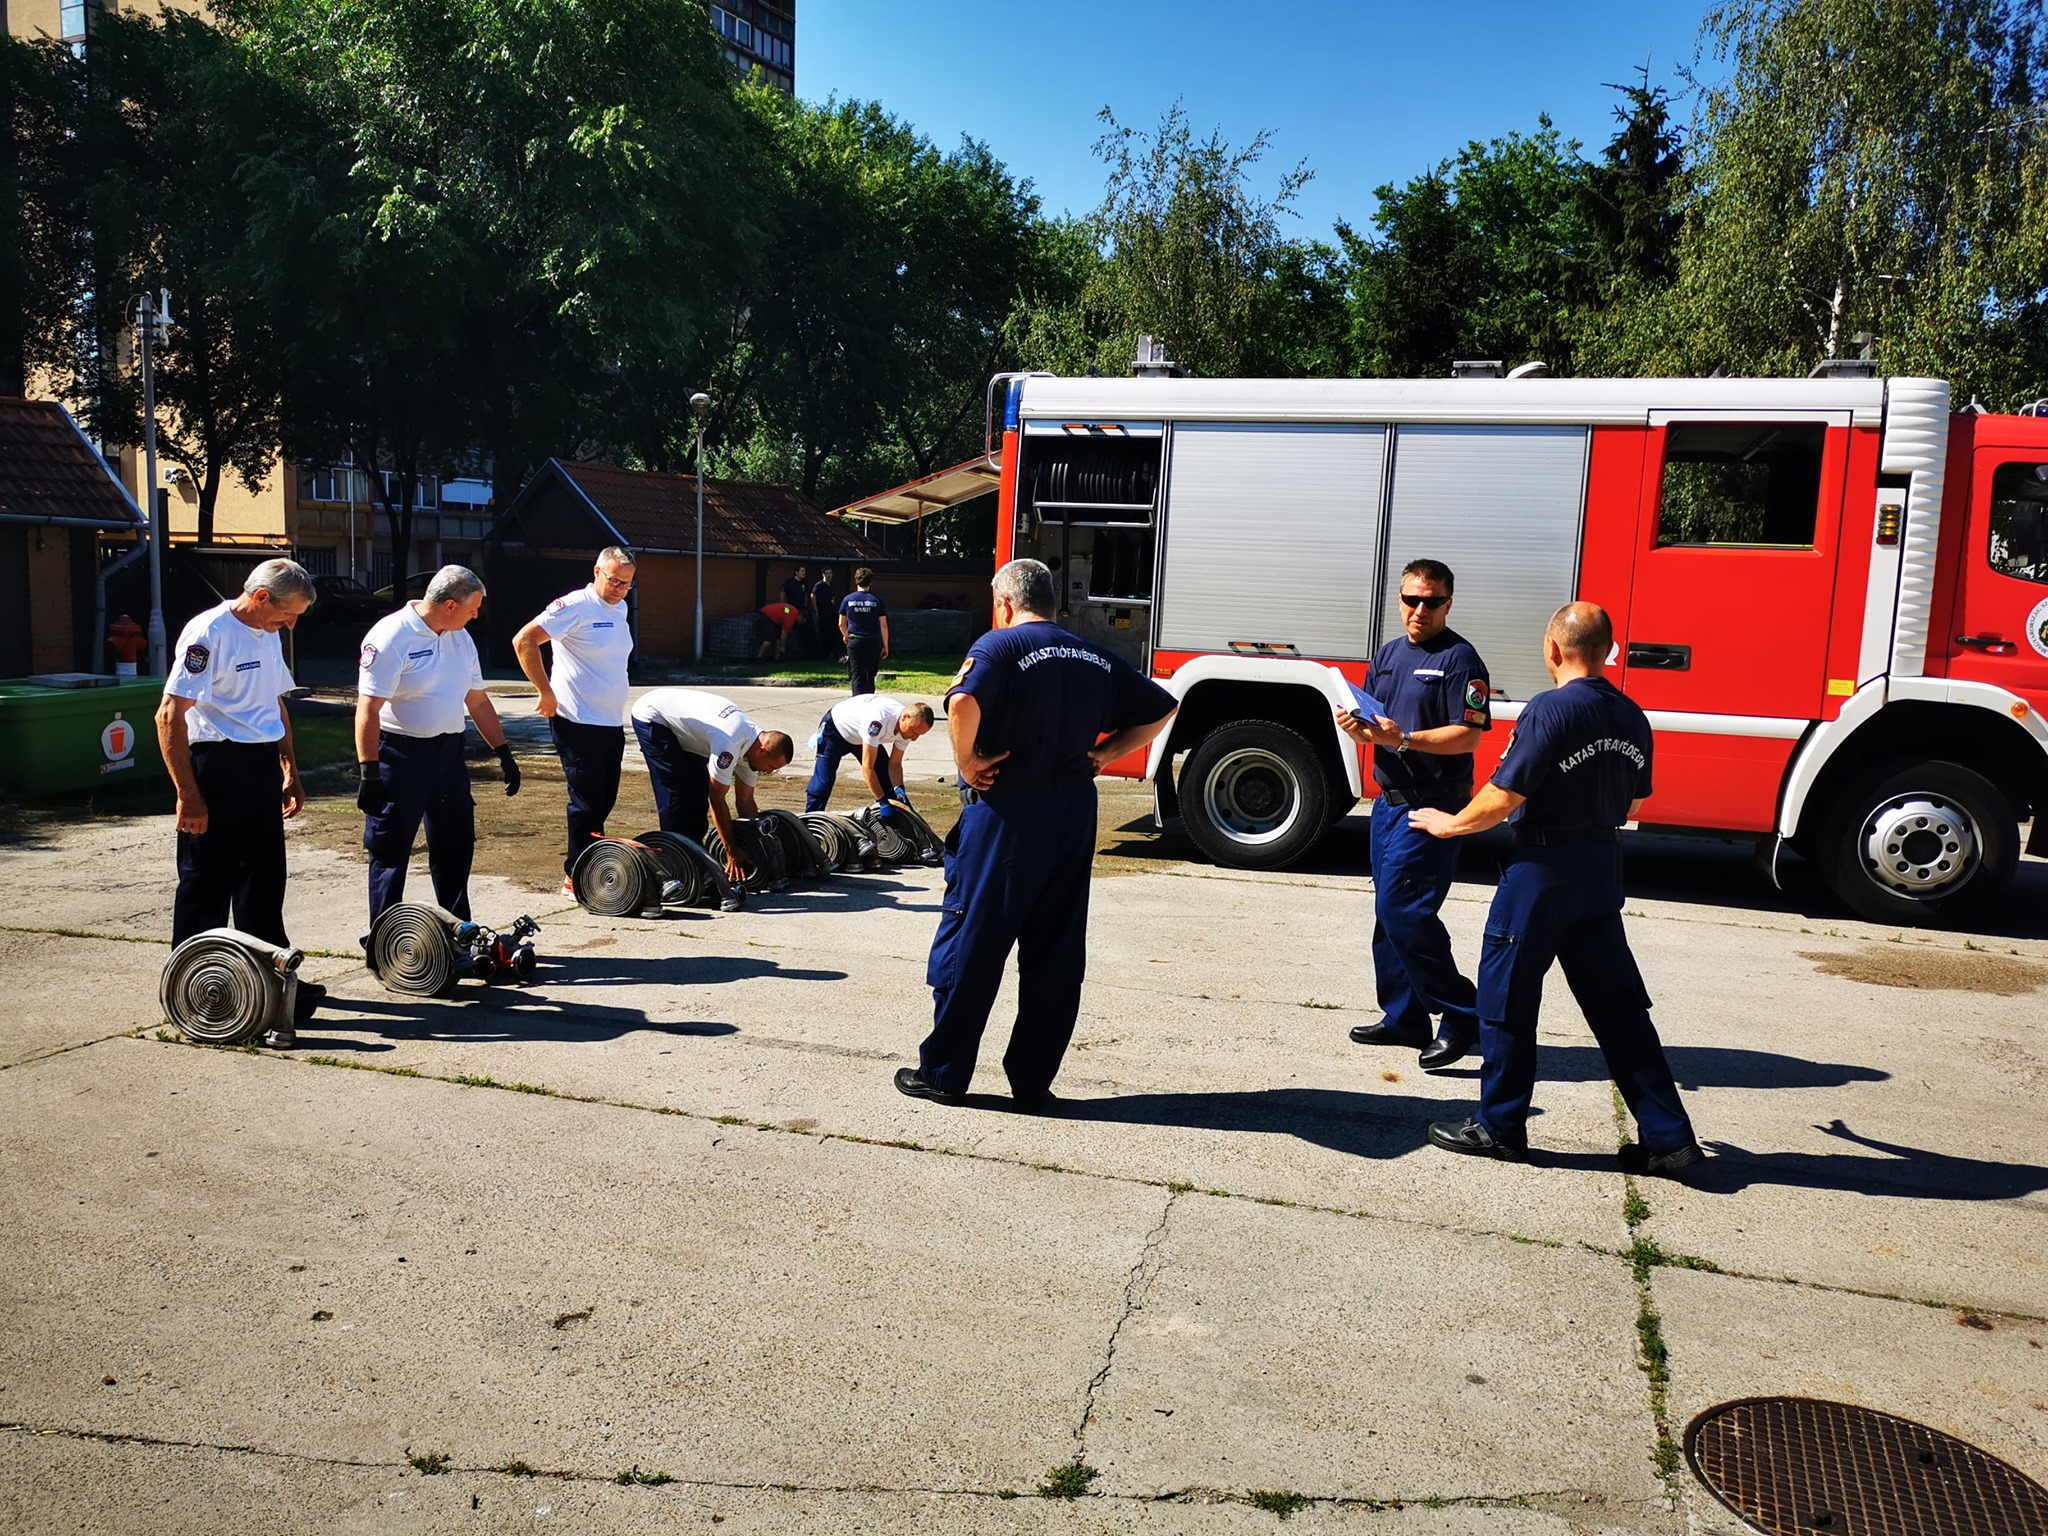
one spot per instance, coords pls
(234, 674)
(869, 720)
(421, 676)
(711, 727)
(592, 643)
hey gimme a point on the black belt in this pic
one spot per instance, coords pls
(1551, 836)
(1401, 797)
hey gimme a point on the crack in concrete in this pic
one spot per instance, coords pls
(1140, 1279)
(77, 1045)
(1191, 1494)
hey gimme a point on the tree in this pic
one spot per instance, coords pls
(1477, 257)
(1867, 169)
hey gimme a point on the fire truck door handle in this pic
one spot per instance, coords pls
(1996, 645)
(1659, 658)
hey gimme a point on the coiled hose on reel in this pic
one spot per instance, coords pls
(412, 948)
(226, 987)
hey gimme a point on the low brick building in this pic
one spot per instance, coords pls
(754, 536)
(58, 500)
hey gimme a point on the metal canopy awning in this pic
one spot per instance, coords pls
(920, 498)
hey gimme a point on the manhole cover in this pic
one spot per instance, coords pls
(1794, 1466)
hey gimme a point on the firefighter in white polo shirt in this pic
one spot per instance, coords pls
(419, 676)
(879, 729)
(227, 743)
(583, 695)
(699, 748)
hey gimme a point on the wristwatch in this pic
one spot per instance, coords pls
(1403, 747)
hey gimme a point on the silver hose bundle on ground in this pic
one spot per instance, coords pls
(225, 987)
(694, 878)
(615, 877)
(412, 948)
(760, 855)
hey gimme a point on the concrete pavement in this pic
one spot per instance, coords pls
(662, 1211)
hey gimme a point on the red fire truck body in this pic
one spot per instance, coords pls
(1830, 595)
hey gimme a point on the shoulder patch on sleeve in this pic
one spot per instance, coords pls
(557, 605)
(1475, 694)
(196, 658)
(874, 727)
(725, 759)
(368, 658)
(1475, 717)
(960, 677)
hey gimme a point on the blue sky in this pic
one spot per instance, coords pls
(1367, 92)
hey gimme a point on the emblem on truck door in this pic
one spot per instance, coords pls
(2037, 627)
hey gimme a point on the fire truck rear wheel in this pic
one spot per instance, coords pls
(1926, 843)
(1254, 795)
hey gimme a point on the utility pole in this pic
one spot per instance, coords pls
(152, 329)
(700, 406)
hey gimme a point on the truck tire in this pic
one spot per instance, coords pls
(1925, 843)
(1254, 795)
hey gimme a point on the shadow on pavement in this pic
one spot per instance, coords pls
(1906, 1172)
(499, 1014)
(691, 970)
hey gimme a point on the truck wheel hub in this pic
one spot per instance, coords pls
(1919, 845)
(1253, 797)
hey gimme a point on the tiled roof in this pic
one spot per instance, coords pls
(658, 513)
(48, 470)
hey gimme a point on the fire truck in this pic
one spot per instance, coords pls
(1829, 594)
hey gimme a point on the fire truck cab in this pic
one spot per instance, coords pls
(1830, 594)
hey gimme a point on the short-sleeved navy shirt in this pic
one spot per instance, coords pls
(821, 594)
(863, 614)
(793, 593)
(1439, 682)
(1580, 756)
(1047, 696)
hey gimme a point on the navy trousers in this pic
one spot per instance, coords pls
(237, 864)
(1563, 903)
(681, 781)
(1415, 971)
(591, 755)
(1016, 876)
(832, 749)
(863, 660)
(427, 780)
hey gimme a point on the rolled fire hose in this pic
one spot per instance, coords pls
(799, 854)
(902, 837)
(226, 987)
(700, 878)
(825, 838)
(617, 878)
(759, 856)
(852, 846)
(412, 948)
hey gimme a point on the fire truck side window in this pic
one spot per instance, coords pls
(2019, 521)
(1741, 483)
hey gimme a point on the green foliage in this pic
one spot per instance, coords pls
(1866, 171)
(430, 1463)
(1069, 1480)
(1277, 1502)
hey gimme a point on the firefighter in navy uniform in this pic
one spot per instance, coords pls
(227, 743)
(419, 676)
(1436, 692)
(1577, 767)
(1025, 714)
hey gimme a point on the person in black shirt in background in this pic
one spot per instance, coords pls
(797, 593)
(825, 615)
(1437, 697)
(1027, 712)
(1577, 767)
(864, 626)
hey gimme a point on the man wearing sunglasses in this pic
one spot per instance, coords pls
(1436, 692)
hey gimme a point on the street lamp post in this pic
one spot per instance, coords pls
(152, 328)
(700, 405)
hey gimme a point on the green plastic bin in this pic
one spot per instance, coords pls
(55, 737)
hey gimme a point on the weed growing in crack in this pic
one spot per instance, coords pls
(1653, 1356)
(1274, 1501)
(492, 1082)
(1635, 1210)
(430, 1463)
(518, 1468)
(1069, 1480)
(633, 1477)
(1177, 1187)
(1006, 1493)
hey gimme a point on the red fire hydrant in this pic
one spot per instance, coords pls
(127, 641)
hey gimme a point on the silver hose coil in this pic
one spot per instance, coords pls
(615, 878)
(412, 949)
(222, 987)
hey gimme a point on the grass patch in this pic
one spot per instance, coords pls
(1653, 1357)
(430, 1463)
(1069, 1480)
(633, 1477)
(324, 740)
(492, 1082)
(1276, 1502)
(1006, 1493)
(909, 672)
(518, 1468)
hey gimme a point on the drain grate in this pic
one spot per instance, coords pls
(1796, 1466)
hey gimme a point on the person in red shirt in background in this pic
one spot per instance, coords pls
(782, 618)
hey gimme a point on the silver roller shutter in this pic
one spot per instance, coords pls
(1502, 507)
(1272, 535)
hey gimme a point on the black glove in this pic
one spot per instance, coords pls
(371, 795)
(511, 767)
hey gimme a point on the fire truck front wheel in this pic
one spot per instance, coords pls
(1254, 795)
(1929, 843)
